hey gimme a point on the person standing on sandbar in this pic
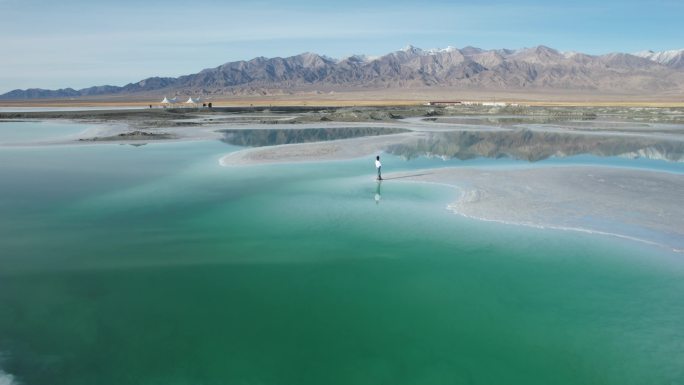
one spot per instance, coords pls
(378, 165)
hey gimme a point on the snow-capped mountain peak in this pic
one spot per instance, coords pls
(672, 58)
(432, 51)
(413, 50)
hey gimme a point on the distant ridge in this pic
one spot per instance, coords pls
(672, 58)
(536, 69)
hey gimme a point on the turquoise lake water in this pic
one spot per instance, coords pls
(154, 265)
(37, 131)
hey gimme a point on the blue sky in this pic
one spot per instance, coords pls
(76, 43)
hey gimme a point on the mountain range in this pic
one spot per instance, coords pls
(536, 69)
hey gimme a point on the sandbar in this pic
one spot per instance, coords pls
(628, 203)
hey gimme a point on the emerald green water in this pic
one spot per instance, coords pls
(154, 265)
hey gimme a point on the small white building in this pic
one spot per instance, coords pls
(494, 104)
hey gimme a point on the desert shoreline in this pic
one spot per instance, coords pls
(371, 98)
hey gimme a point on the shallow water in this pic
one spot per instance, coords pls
(273, 137)
(533, 146)
(27, 132)
(154, 265)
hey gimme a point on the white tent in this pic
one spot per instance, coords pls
(192, 101)
(168, 101)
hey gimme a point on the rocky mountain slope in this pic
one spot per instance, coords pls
(672, 58)
(537, 69)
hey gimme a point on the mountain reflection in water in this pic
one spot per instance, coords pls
(534, 146)
(525, 144)
(273, 137)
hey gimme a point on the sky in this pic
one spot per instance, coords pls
(77, 43)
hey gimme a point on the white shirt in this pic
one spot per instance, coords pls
(377, 164)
